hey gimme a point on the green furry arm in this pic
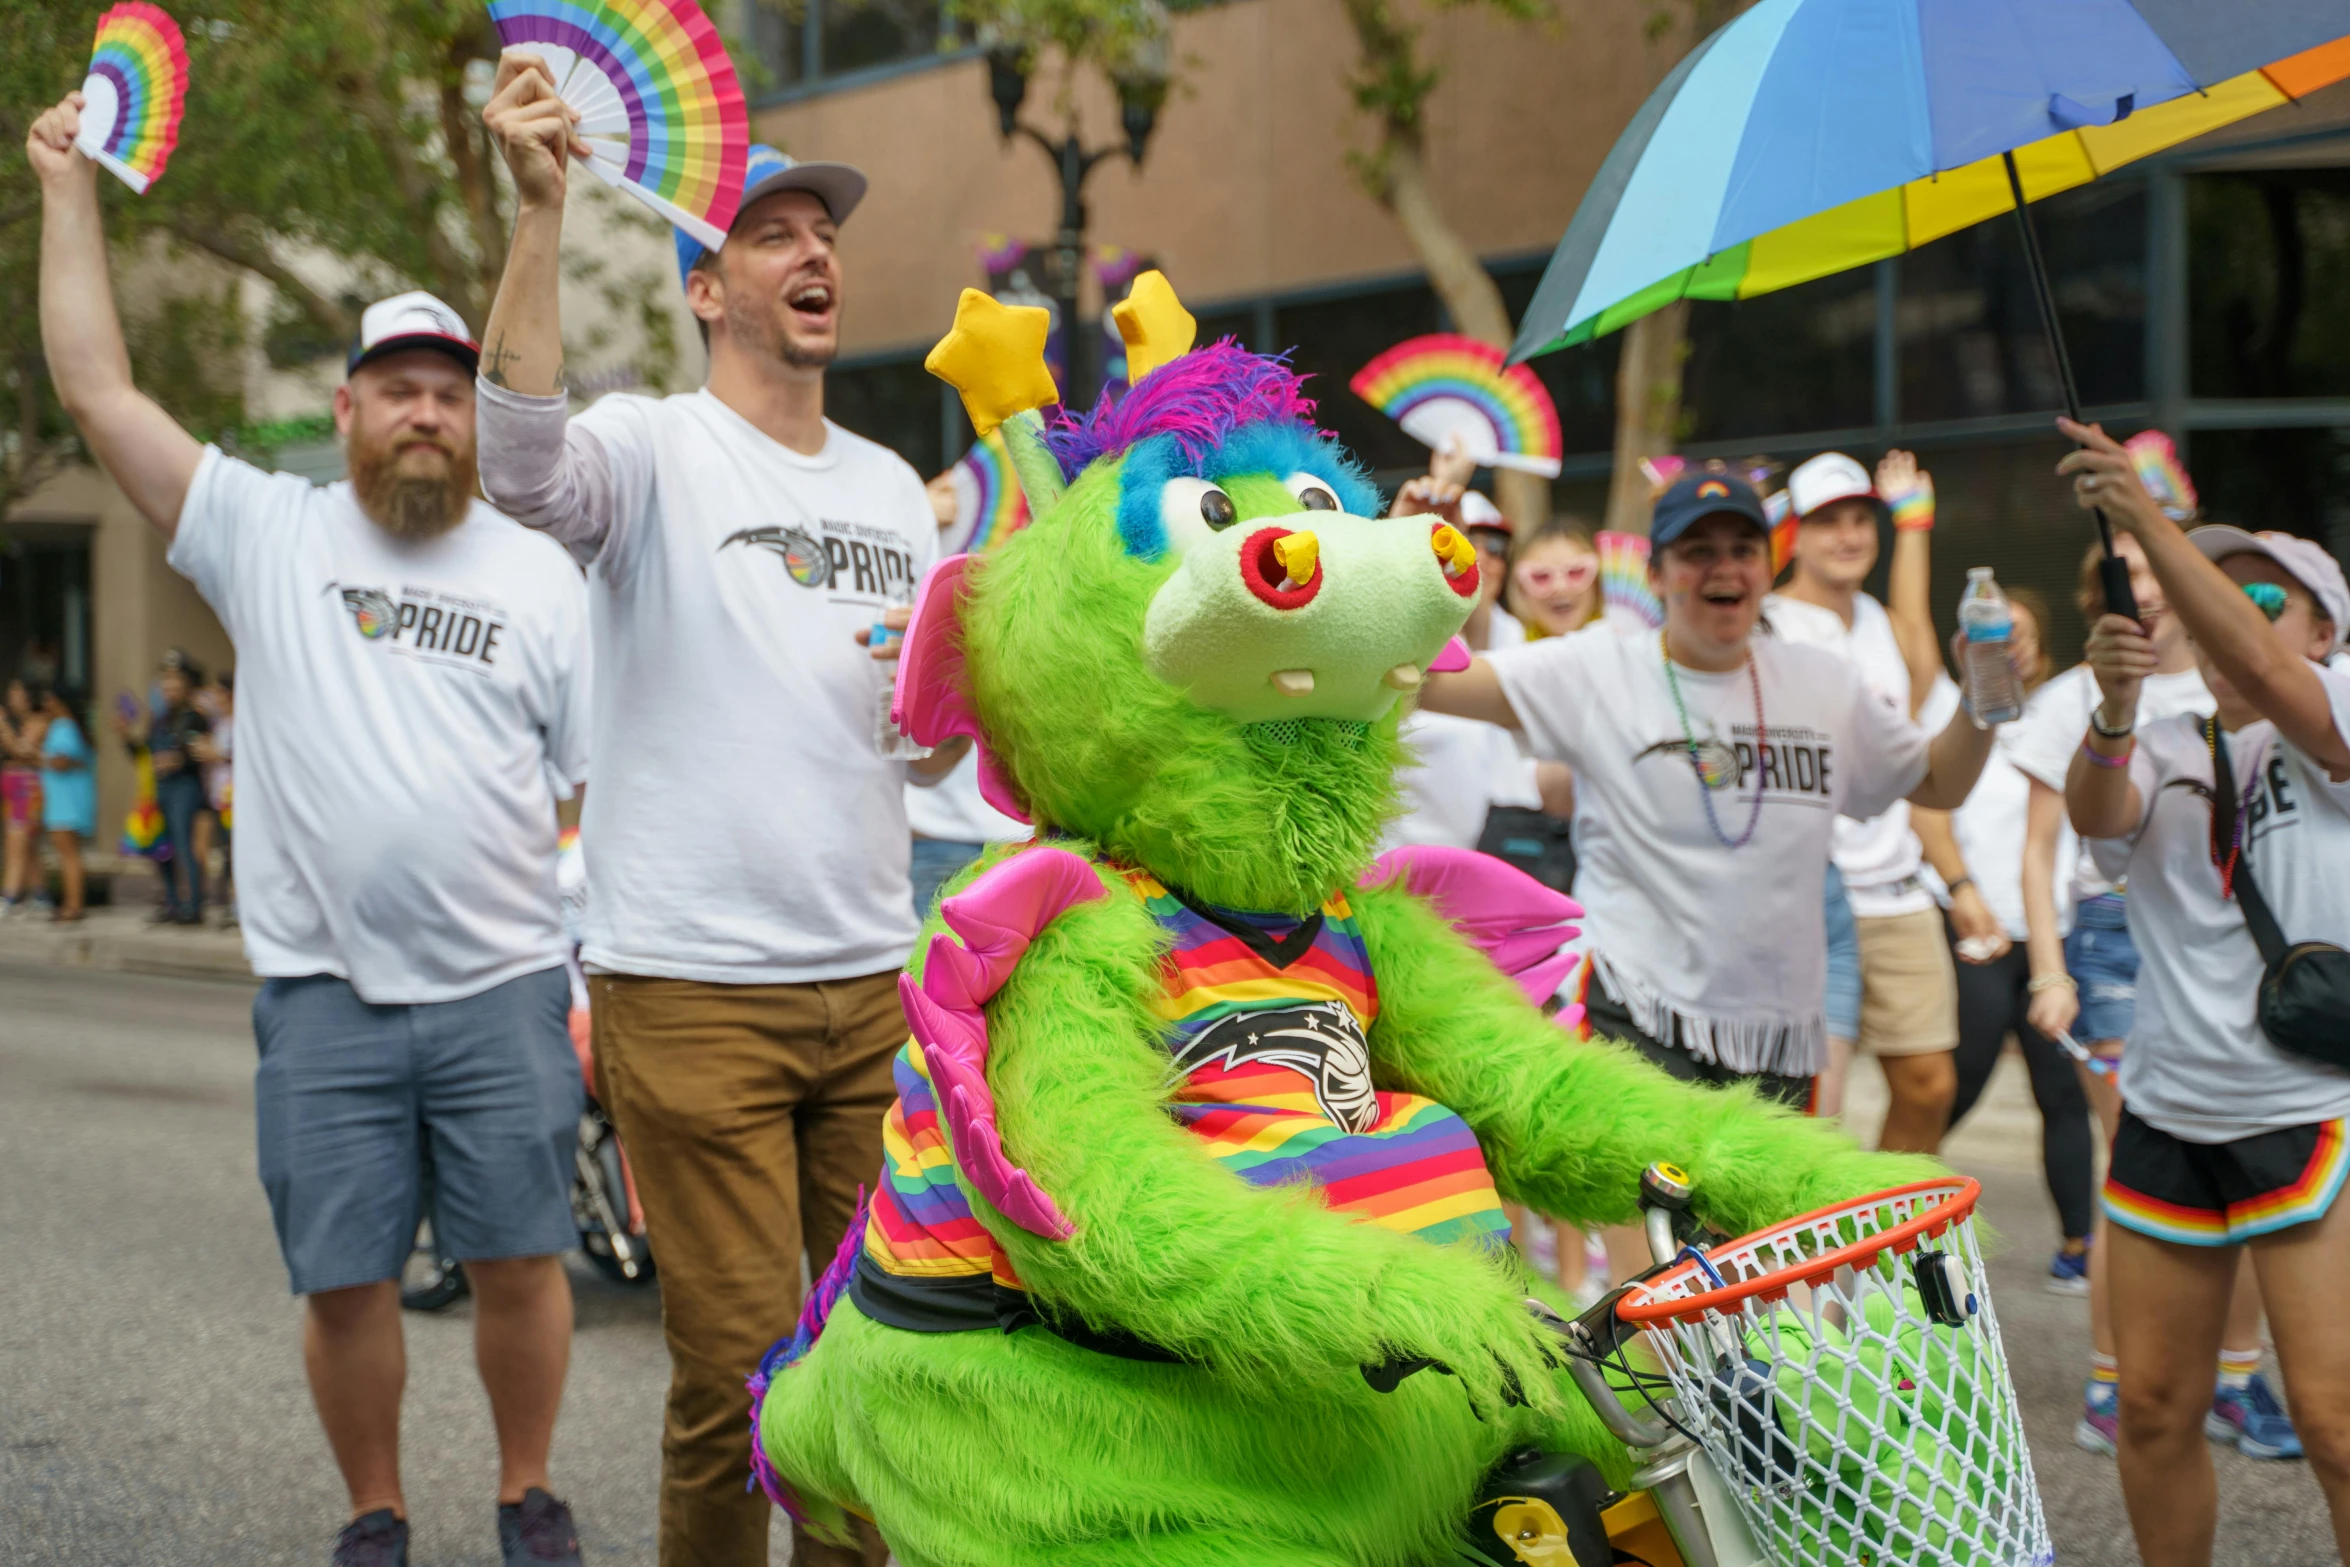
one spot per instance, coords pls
(1567, 1128)
(1175, 1250)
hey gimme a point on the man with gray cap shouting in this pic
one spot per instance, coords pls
(751, 905)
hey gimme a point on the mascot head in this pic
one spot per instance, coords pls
(1195, 655)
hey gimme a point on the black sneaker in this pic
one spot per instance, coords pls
(537, 1529)
(377, 1539)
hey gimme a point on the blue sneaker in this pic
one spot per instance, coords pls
(2252, 1419)
(380, 1539)
(2099, 1430)
(2068, 1273)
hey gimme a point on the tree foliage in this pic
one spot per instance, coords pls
(332, 148)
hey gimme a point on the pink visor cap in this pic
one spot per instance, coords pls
(2304, 560)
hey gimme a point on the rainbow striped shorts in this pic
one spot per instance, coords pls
(2222, 1194)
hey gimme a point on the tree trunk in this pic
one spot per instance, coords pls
(1648, 409)
(1390, 86)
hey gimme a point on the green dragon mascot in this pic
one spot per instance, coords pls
(1204, 1112)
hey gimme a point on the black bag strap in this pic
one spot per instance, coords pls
(2267, 935)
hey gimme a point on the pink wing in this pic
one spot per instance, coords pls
(1523, 926)
(930, 703)
(997, 916)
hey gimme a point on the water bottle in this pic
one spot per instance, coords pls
(1993, 694)
(892, 742)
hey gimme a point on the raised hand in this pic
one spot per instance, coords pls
(49, 144)
(2106, 479)
(1452, 463)
(533, 128)
(2121, 656)
(1429, 496)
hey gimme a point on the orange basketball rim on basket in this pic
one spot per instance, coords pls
(1845, 1374)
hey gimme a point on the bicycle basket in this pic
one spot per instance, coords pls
(1844, 1372)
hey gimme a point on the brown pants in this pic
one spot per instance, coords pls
(751, 1114)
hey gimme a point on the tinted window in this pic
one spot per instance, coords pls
(1335, 339)
(1972, 343)
(896, 404)
(1798, 359)
(2268, 268)
(2296, 480)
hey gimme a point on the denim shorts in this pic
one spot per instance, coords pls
(352, 1101)
(2103, 962)
(1843, 1001)
(934, 863)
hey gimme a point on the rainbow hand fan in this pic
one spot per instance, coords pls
(659, 106)
(2164, 476)
(1627, 602)
(132, 98)
(1444, 385)
(989, 505)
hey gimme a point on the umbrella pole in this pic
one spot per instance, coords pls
(2113, 573)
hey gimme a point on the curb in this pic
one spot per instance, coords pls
(105, 945)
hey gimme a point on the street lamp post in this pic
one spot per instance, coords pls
(1140, 94)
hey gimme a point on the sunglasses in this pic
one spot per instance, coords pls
(1557, 579)
(2268, 596)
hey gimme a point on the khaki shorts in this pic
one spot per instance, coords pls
(1908, 986)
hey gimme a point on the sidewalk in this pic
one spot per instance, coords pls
(118, 937)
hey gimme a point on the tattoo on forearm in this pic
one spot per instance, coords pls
(494, 363)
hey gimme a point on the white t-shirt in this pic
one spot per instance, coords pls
(953, 809)
(1880, 857)
(2198, 1065)
(1992, 826)
(1680, 927)
(407, 714)
(1465, 767)
(2043, 741)
(745, 830)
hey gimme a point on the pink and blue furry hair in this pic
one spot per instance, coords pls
(1217, 411)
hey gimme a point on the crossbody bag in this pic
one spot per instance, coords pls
(2304, 1004)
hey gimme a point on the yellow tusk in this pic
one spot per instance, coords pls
(1294, 682)
(1297, 553)
(1457, 553)
(1404, 677)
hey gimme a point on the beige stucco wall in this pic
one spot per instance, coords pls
(1247, 188)
(138, 607)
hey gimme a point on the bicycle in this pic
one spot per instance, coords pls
(1827, 1392)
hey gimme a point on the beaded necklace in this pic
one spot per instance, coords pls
(1762, 735)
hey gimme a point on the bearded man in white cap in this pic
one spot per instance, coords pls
(411, 696)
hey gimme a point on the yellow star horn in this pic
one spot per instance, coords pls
(994, 356)
(1153, 324)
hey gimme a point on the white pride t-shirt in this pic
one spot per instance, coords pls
(2198, 1065)
(407, 712)
(1994, 823)
(1879, 858)
(2042, 743)
(1681, 928)
(744, 829)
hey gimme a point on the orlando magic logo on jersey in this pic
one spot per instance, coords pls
(1321, 1041)
(372, 610)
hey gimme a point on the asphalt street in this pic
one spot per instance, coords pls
(152, 1408)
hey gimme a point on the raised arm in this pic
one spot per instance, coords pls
(1173, 1249)
(148, 454)
(1474, 692)
(2228, 628)
(2098, 793)
(1909, 583)
(1566, 1127)
(522, 345)
(1953, 762)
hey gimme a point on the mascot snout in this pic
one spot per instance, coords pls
(1333, 622)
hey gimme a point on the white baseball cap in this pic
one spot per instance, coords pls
(414, 320)
(1479, 512)
(2304, 560)
(1825, 480)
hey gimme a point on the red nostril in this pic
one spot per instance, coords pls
(1262, 570)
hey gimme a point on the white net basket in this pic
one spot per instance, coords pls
(1844, 1372)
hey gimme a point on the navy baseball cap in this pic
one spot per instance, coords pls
(839, 186)
(1697, 496)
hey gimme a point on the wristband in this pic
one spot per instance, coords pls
(2100, 759)
(1952, 887)
(2041, 982)
(2096, 723)
(1914, 512)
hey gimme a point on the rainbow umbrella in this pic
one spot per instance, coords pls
(1810, 136)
